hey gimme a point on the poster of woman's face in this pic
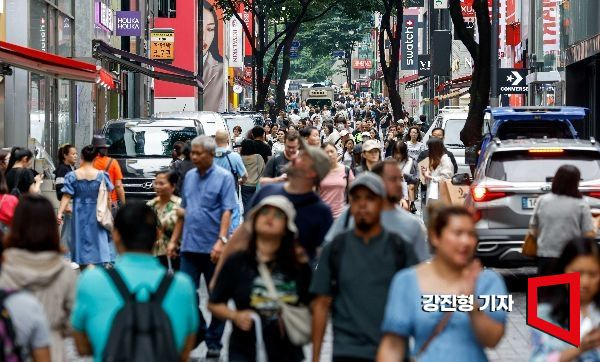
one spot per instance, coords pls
(212, 46)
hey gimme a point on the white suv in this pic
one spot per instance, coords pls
(452, 120)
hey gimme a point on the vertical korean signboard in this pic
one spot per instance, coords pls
(236, 43)
(410, 42)
(550, 26)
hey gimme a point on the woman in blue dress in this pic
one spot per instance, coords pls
(414, 310)
(91, 242)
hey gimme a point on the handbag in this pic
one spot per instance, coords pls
(530, 245)
(296, 319)
(8, 203)
(103, 209)
(436, 332)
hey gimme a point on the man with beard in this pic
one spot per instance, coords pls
(394, 217)
(353, 276)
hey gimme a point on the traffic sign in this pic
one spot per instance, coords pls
(294, 54)
(338, 53)
(512, 81)
(295, 44)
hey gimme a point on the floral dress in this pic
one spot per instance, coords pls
(167, 218)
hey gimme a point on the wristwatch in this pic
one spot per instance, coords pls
(223, 239)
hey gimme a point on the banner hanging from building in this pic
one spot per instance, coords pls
(410, 42)
(236, 43)
(550, 26)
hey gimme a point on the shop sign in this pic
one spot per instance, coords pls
(162, 44)
(440, 4)
(414, 3)
(104, 16)
(550, 26)
(236, 43)
(362, 64)
(425, 65)
(410, 41)
(583, 50)
(512, 81)
(129, 23)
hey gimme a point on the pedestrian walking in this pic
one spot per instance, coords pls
(274, 169)
(109, 165)
(279, 143)
(284, 279)
(311, 136)
(458, 336)
(20, 178)
(439, 168)
(67, 158)
(255, 166)
(333, 189)
(260, 136)
(371, 155)
(394, 217)
(208, 198)
(237, 132)
(347, 157)
(347, 282)
(177, 154)
(183, 167)
(106, 299)
(578, 256)
(166, 206)
(33, 261)
(232, 162)
(560, 216)
(413, 142)
(91, 242)
(313, 216)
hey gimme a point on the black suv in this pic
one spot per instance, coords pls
(143, 147)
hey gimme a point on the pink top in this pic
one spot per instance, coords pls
(333, 190)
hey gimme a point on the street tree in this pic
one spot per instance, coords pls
(480, 52)
(290, 14)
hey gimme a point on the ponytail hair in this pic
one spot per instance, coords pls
(17, 154)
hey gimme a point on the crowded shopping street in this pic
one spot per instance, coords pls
(299, 180)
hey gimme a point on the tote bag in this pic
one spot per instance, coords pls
(103, 211)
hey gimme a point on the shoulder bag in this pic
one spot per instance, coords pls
(296, 319)
(103, 209)
(530, 245)
(436, 332)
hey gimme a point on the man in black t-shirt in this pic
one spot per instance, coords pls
(262, 147)
(274, 169)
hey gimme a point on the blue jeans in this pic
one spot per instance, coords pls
(247, 193)
(195, 265)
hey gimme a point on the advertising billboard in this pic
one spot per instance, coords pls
(213, 74)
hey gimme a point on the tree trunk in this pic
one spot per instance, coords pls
(390, 71)
(480, 83)
(285, 73)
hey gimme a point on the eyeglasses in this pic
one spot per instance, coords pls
(278, 214)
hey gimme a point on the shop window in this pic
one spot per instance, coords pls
(65, 126)
(65, 36)
(166, 8)
(37, 112)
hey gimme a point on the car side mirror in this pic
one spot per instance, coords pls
(461, 179)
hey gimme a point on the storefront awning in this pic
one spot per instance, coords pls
(139, 64)
(417, 82)
(54, 65)
(408, 78)
(455, 83)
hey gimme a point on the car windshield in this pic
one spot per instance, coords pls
(145, 141)
(522, 129)
(452, 132)
(522, 166)
(247, 123)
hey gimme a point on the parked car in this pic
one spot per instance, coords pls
(211, 121)
(452, 120)
(143, 147)
(246, 120)
(511, 176)
(508, 123)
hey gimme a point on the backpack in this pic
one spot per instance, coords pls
(141, 331)
(337, 249)
(8, 337)
(236, 177)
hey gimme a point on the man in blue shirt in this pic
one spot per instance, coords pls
(232, 162)
(97, 299)
(208, 198)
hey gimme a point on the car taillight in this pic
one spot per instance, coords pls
(594, 194)
(547, 151)
(482, 194)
